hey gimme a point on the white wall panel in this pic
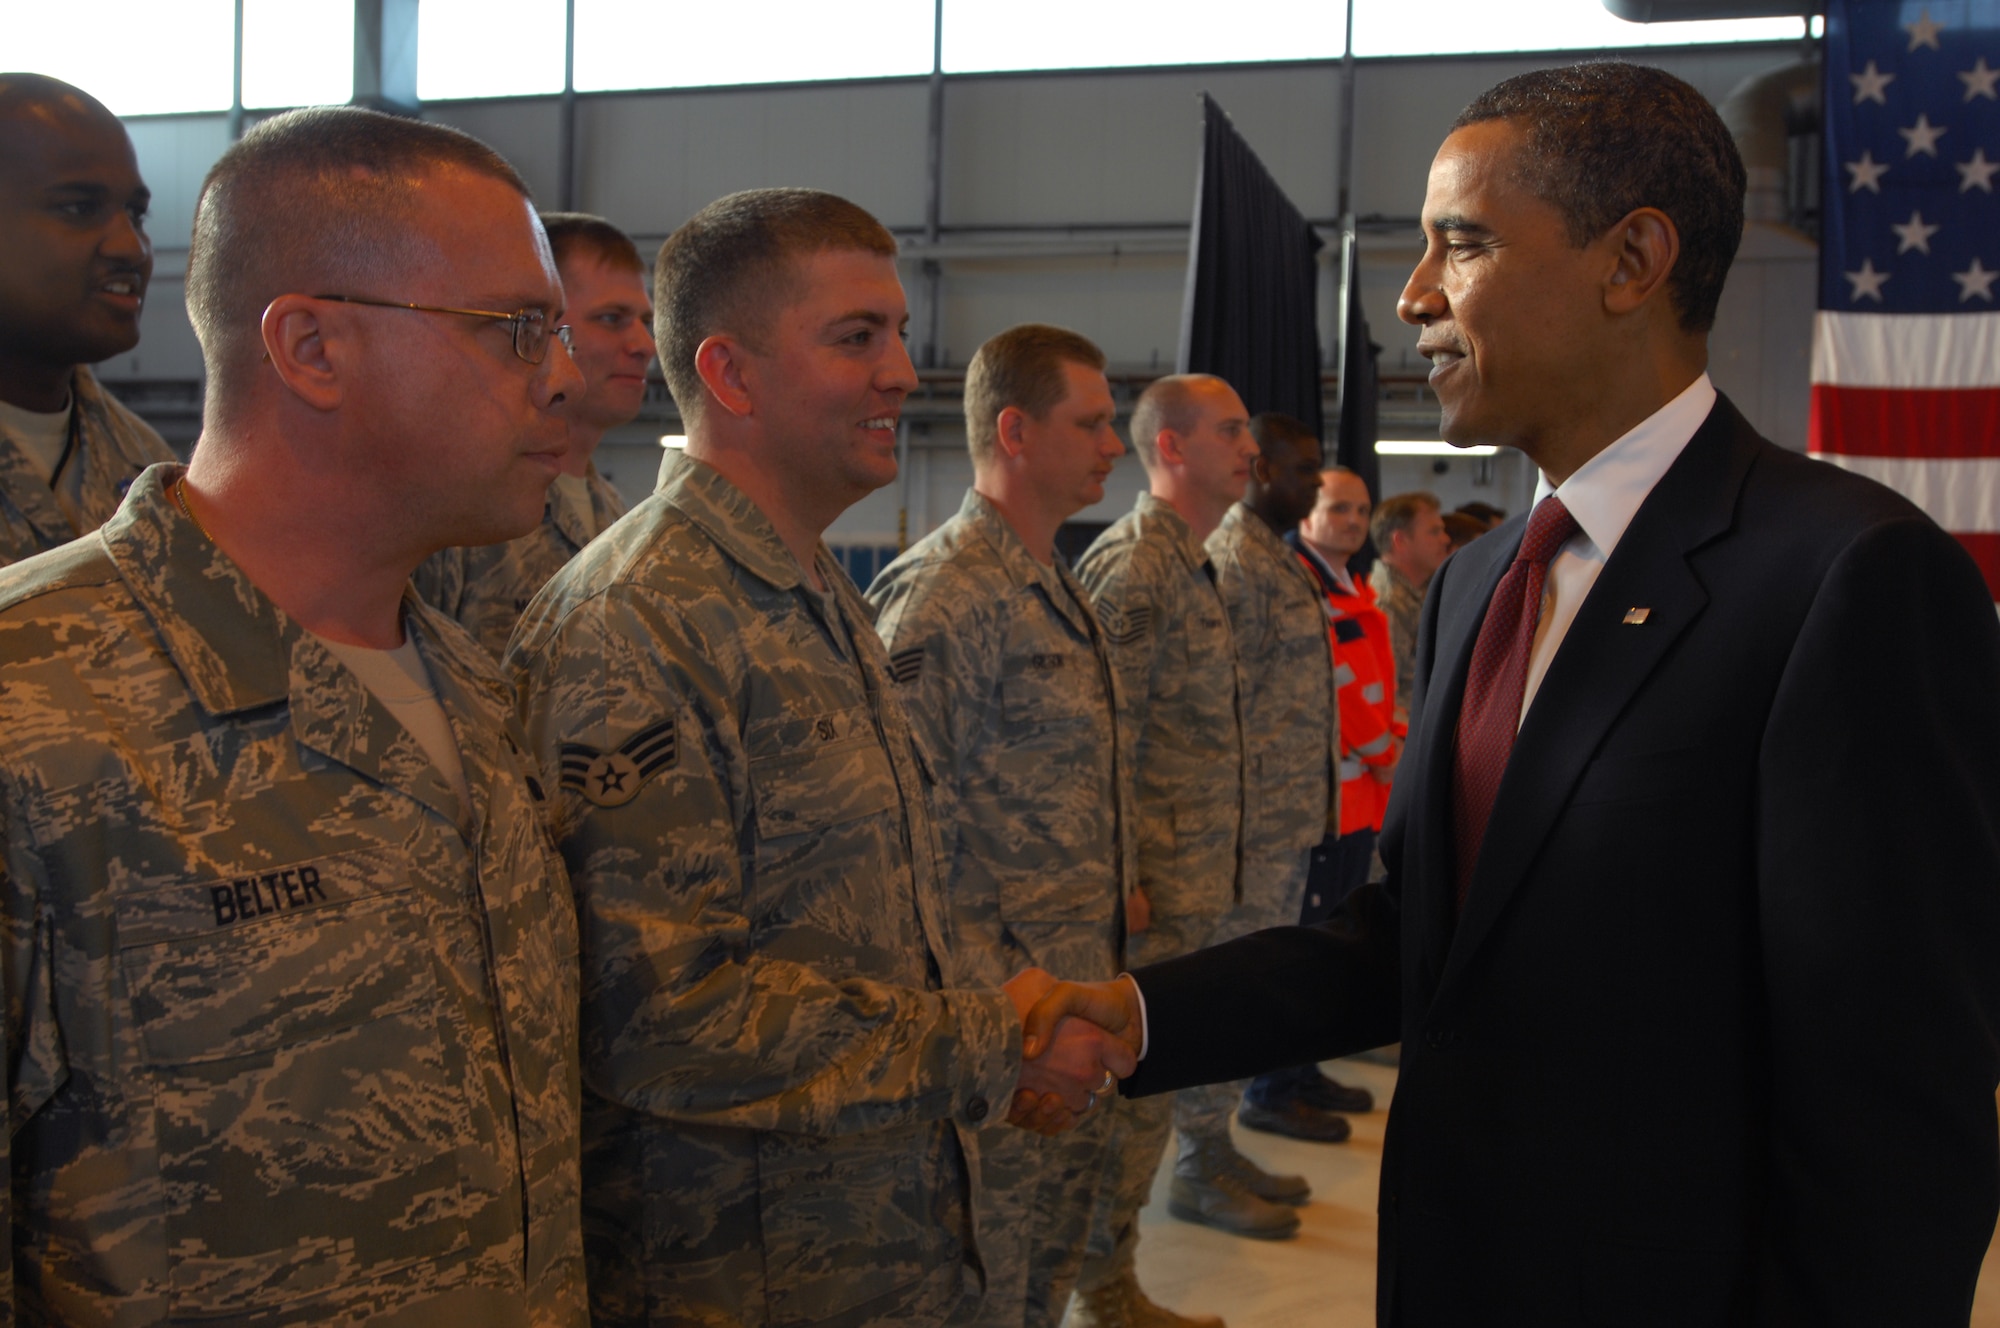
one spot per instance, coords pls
(526, 131)
(1064, 149)
(651, 161)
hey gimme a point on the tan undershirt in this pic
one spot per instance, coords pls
(41, 437)
(400, 681)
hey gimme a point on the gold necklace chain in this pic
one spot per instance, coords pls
(181, 497)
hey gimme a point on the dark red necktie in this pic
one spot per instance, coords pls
(1491, 712)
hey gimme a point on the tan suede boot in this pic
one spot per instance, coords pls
(1121, 1304)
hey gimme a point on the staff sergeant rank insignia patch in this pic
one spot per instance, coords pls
(612, 779)
(905, 665)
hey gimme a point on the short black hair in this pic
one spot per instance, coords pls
(1274, 429)
(1605, 138)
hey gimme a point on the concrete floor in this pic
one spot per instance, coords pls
(1325, 1277)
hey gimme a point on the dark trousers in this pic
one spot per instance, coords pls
(1339, 865)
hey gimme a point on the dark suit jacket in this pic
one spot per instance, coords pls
(1714, 1041)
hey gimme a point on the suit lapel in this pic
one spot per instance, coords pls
(1601, 667)
(1465, 586)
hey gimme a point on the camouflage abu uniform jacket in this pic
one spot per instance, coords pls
(780, 1090)
(1403, 604)
(486, 587)
(1290, 724)
(1002, 668)
(283, 1045)
(1154, 591)
(114, 446)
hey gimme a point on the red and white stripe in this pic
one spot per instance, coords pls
(1913, 400)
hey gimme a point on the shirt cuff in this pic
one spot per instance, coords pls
(1145, 1033)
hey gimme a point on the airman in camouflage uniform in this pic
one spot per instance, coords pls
(1154, 590)
(112, 447)
(783, 1092)
(1004, 670)
(283, 1044)
(1278, 620)
(485, 588)
(786, 1081)
(1410, 536)
(73, 278)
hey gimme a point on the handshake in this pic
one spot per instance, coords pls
(1078, 1039)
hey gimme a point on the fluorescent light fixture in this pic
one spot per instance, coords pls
(1387, 447)
(677, 441)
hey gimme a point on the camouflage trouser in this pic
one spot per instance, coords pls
(1036, 1197)
(1273, 890)
(1140, 1127)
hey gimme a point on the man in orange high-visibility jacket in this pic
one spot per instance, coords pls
(1371, 738)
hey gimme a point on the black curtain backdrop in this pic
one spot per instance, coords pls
(1354, 446)
(1251, 315)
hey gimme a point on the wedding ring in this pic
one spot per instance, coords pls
(1110, 1082)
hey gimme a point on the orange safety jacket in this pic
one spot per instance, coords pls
(1365, 673)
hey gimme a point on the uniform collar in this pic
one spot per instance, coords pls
(1022, 567)
(230, 642)
(237, 650)
(1245, 527)
(1157, 513)
(979, 512)
(726, 514)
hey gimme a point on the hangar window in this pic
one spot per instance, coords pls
(1455, 27)
(489, 48)
(135, 64)
(297, 52)
(645, 44)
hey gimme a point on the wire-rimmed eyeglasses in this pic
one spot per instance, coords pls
(531, 326)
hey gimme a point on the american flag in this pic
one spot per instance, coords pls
(1906, 347)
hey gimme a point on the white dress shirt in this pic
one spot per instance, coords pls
(1603, 496)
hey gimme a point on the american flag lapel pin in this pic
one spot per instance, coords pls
(1633, 617)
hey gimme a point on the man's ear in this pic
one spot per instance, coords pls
(1260, 471)
(1646, 246)
(1011, 431)
(726, 371)
(304, 349)
(1167, 445)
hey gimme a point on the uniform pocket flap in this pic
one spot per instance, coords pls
(810, 773)
(247, 964)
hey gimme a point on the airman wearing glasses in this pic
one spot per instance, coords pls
(289, 961)
(74, 263)
(611, 339)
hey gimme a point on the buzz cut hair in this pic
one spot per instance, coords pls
(312, 201)
(1170, 403)
(1398, 513)
(734, 267)
(1023, 368)
(1605, 138)
(574, 234)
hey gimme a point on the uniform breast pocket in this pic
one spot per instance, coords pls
(306, 1111)
(815, 773)
(1042, 691)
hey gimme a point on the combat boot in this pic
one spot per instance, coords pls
(1206, 1190)
(1121, 1304)
(1271, 1186)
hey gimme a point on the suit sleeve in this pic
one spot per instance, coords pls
(683, 1014)
(1879, 909)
